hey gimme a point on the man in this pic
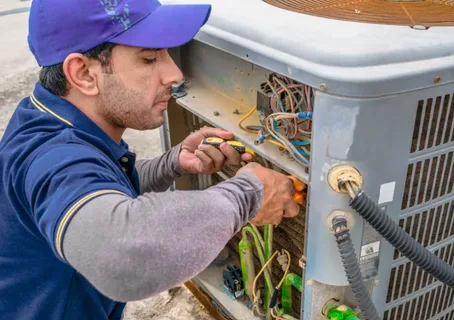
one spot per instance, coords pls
(82, 224)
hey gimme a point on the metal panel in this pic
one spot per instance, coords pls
(427, 213)
(429, 179)
(362, 133)
(434, 123)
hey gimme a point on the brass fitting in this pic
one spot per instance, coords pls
(341, 174)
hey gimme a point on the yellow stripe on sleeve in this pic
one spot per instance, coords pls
(67, 216)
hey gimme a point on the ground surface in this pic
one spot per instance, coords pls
(17, 77)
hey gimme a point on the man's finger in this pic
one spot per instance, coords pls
(246, 157)
(232, 156)
(276, 221)
(256, 222)
(216, 155)
(291, 210)
(207, 162)
(210, 132)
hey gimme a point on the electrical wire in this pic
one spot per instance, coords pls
(274, 92)
(349, 186)
(283, 127)
(284, 87)
(240, 124)
(276, 316)
(264, 267)
(308, 97)
(292, 99)
(276, 143)
(284, 141)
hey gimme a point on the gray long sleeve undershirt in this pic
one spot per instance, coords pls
(159, 173)
(131, 249)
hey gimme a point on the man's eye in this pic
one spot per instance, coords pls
(149, 61)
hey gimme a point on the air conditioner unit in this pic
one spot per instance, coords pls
(378, 78)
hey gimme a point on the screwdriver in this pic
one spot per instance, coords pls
(238, 146)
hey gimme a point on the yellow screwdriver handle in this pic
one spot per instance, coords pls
(238, 146)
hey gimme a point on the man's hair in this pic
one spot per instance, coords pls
(53, 78)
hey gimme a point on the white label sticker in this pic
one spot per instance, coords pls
(387, 192)
(370, 249)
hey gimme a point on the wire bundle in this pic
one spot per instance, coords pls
(289, 95)
(289, 126)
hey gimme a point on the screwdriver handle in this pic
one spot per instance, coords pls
(238, 146)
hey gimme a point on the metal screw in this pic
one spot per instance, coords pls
(419, 27)
(236, 111)
(437, 79)
(309, 282)
(216, 113)
(323, 87)
(178, 90)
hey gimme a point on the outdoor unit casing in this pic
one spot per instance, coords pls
(384, 105)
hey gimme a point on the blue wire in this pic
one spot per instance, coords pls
(304, 153)
(295, 142)
(300, 143)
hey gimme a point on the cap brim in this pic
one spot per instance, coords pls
(167, 27)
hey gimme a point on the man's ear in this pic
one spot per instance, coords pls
(82, 73)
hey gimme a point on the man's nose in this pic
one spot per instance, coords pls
(171, 73)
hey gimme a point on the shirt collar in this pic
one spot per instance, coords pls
(66, 112)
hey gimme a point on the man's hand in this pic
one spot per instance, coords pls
(196, 158)
(277, 199)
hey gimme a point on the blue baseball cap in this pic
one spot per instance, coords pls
(58, 28)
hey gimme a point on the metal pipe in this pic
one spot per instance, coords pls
(292, 280)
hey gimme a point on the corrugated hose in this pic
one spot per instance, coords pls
(401, 240)
(352, 269)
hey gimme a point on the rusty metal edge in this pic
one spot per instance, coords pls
(204, 299)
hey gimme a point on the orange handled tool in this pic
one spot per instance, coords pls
(299, 196)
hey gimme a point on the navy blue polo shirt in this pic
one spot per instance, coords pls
(53, 160)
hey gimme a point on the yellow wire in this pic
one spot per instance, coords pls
(275, 143)
(282, 281)
(240, 124)
(264, 267)
(261, 271)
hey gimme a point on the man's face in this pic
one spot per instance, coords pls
(136, 92)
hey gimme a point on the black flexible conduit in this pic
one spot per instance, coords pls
(352, 269)
(401, 240)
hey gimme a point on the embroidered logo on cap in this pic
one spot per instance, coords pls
(116, 13)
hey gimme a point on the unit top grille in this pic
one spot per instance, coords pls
(408, 13)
